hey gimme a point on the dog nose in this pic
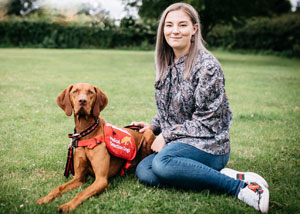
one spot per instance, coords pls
(82, 101)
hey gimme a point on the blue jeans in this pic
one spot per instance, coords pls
(185, 166)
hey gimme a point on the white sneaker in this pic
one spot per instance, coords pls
(255, 195)
(247, 177)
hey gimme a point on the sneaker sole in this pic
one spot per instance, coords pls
(264, 204)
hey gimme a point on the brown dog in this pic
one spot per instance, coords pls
(87, 101)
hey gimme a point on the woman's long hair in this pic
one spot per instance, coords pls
(164, 53)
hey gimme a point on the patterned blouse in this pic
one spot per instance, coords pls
(194, 111)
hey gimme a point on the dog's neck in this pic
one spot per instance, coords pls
(83, 123)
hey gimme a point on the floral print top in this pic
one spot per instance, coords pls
(194, 111)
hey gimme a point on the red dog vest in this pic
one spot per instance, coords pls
(119, 143)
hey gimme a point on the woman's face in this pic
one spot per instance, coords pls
(178, 30)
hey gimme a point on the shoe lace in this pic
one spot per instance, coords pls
(255, 188)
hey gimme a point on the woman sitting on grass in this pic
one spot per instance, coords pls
(193, 116)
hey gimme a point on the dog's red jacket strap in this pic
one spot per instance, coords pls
(125, 167)
(91, 143)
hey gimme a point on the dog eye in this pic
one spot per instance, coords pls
(75, 92)
(90, 92)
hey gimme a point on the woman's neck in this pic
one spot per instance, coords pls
(178, 53)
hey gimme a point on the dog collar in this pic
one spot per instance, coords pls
(76, 136)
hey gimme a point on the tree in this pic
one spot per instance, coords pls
(14, 7)
(21, 7)
(298, 7)
(213, 12)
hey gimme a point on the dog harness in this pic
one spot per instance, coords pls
(119, 143)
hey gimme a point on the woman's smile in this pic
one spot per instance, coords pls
(176, 38)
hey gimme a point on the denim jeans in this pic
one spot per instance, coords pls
(185, 166)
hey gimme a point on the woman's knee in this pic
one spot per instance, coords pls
(145, 174)
(143, 167)
(160, 166)
(140, 172)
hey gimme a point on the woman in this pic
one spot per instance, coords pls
(193, 116)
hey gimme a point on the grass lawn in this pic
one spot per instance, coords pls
(264, 93)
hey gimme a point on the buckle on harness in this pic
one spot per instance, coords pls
(73, 140)
(75, 135)
(73, 143)
(70, 144)
(97, 141)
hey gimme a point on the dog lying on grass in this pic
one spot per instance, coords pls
(92, 155)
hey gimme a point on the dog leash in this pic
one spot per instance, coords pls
(74, 143)
(135, 128)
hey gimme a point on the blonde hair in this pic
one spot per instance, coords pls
(164, 53)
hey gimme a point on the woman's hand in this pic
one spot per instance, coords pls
(144, 126)
(158, 144)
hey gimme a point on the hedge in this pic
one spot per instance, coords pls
(279, 34)
(55, 35)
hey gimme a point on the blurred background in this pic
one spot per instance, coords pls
(269, 26)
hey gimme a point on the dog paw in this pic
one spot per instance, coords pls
(42, 201)
(66, 208)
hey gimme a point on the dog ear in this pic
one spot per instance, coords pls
(100, 103)
(63, 100)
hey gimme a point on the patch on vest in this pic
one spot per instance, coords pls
(119, 142)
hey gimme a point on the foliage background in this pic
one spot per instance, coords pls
(266, 26)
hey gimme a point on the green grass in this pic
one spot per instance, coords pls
(264, 93)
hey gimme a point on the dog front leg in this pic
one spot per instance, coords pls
(98, 186)
(100, 161)
(58, 191)
(80, 166)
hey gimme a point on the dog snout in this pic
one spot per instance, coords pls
(82, 101)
